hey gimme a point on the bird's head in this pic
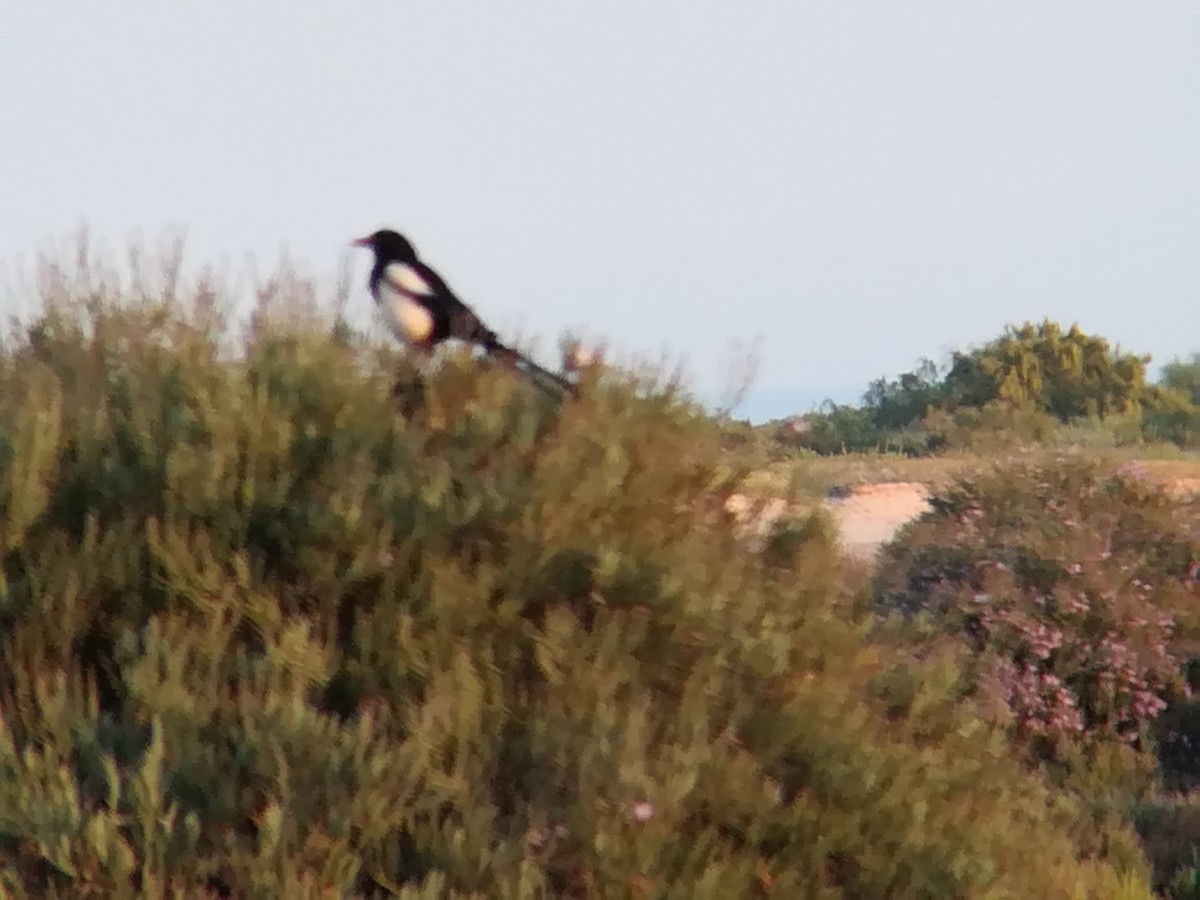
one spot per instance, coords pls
(388, 246)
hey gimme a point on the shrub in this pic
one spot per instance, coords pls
(1173, 418)
(1074, 587)
(264, 637)
(1183, 376)
(995, 427)
(1117, 430)
(837, 429)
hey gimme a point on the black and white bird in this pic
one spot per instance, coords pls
(422, 311)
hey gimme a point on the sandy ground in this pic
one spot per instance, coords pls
(870, 514)
(1183, 486)
(866, 516)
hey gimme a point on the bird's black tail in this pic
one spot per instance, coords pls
(543, 378)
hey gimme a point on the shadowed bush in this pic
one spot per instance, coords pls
(263, 637)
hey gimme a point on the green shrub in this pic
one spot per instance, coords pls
(1118, 430)
(1183, 376)
(1173, 418)
(263, 637)
(837, 429)
(995, 427)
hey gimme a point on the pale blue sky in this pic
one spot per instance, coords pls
(860, 184)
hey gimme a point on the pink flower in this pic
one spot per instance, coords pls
(642, 811)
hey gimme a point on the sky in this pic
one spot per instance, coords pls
(843, 187)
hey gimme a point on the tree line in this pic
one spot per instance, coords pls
(1026, 385)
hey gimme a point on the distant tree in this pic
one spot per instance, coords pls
(1183, 376)
(837, 429)
(1068, 374)
(1016, 388)
(1170, 413)
(900, 403)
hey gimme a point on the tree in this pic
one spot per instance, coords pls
(1183, 376)
(1067, 374)
(900, 403)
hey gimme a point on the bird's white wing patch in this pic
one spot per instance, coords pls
(407, 318)
(408, 280)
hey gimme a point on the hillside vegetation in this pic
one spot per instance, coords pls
(1036, 384)
(263, 637)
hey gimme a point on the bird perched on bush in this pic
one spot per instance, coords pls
(422, 311)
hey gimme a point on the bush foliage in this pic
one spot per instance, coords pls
(263, 637)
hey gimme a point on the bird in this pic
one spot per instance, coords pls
(422, 311)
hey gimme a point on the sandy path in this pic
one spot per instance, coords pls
(869, 515)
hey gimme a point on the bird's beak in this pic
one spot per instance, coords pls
(361, 242)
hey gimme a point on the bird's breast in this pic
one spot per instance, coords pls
(407, 318)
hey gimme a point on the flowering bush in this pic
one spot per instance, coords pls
(1073, 585)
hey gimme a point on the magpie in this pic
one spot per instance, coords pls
(422, 311)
